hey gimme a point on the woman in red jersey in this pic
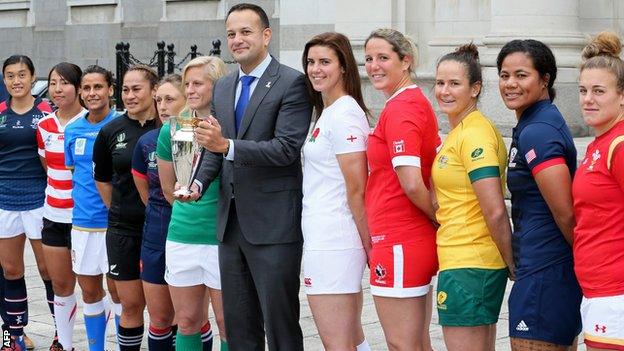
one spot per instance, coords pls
(400, 213)
(598, 191)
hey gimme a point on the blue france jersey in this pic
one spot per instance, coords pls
(144, 165)
(89, 210)
(540, 139)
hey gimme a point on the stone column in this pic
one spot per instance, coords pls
(554, 22)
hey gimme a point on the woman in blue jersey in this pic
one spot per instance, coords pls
(170, 101)
(22, 190)
(545, 299)
(89, 216)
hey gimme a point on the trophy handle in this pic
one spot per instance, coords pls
(173, 125)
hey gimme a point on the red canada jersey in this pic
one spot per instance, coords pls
(598, 191)
(406, 135)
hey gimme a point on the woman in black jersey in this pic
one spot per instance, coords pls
(112, 158)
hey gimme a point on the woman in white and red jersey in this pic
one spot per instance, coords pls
(598, 191)
(400, 212)
(63, 87)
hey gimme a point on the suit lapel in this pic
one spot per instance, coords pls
(265, 83)
(228, 121)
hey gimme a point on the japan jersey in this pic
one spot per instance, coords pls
(598, 191)
(472, 151)
(22, 178)
(50, 139)
(540, 139)
(406, 135)
(327, 221)
(89, 213)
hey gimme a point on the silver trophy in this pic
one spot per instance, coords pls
(185, 151)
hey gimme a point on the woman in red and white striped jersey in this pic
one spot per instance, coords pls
(63, 87)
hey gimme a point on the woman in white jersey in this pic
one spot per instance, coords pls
(336, 239)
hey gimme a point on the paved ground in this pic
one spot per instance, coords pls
(41, 329)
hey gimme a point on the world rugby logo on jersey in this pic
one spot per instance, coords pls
(33, 122)
(152, 160)
(2, 121)
(512, 157)
(120, 141)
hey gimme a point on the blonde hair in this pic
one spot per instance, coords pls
(401, 44)
(603, 52)
(214, 67)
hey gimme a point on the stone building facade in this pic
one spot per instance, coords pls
(86, 31)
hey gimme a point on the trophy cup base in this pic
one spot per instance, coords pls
(182, 192)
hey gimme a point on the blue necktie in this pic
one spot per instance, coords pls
(243, 99)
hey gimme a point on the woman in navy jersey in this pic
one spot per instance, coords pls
(544, 301)
(22, 190)
(112, 158)
(170, 101)
(89, 216)
(63, 86)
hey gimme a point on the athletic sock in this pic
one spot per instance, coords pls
(129, 339)
(206, 336)
(95, 324)
(117, 311)
(159, 339)
(364, 346)
(224, 345)
(174, 332)
(65, 317)
(188, 342)
(16, 304)
(50, 298)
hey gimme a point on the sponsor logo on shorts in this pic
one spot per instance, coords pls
(308, 282)
(380, 273)
(600, 328)
(111, 269)
(377, 238)
(522, 326)
(441, 299)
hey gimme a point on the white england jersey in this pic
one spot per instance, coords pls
(327, 221)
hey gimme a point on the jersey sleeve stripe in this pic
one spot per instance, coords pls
(617, 141)
(139, 174)
(548, 163)
(484, 172)
(405, 161)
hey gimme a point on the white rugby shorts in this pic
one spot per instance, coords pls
(192, 264)
(88, 252)
(333, 271)
(14, 223)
